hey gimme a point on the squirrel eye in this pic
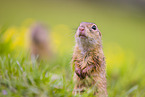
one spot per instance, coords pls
(94, 27)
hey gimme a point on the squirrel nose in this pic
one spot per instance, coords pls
(81, 29)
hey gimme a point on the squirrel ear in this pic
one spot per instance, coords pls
(100, 34)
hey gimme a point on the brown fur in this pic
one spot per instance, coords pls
(88, 61)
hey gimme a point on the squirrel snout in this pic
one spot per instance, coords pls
(82, 31)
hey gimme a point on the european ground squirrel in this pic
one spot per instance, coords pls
(88, 61)
(39, 42)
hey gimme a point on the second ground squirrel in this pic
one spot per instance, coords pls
(39, 42)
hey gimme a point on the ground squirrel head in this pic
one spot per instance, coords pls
(88, 36)
(39, 34)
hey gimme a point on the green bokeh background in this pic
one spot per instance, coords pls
(122, 25)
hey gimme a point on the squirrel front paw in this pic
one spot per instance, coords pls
(80, 74)
(88, 70)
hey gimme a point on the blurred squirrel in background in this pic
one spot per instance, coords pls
(88, 61)
(40, 42)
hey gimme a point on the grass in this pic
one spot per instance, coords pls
(21, 77)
